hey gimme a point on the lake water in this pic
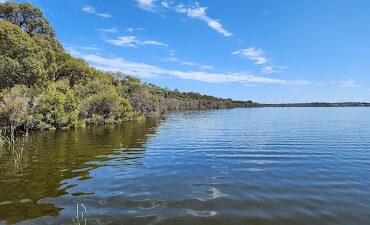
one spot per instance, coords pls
(262, 166)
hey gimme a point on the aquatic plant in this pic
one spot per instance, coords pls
(80, 218)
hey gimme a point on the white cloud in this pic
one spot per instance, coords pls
(109, 30)
(188, 63)
(258, 56)
(199, 12)
(134, 29)
(348, 83)
(92, 10)
(151, 42)
(165, 4)
(173, 58)
(92, 48)
(255, 54)
(146, 70)
(88, 9)
(195, 11)
(273, 69)
(147, 5)
(3, 1)
(132, 41)
(106, 15)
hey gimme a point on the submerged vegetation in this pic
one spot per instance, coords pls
(43, 87)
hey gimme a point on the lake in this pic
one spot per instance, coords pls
(259, 166)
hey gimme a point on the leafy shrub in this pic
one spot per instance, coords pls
(57, 107)
(107, 107)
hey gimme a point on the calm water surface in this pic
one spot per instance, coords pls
(270, 166)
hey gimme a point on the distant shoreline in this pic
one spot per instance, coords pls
(318, 104)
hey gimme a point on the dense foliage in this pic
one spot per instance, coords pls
(42, 87)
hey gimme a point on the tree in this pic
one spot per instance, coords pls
(13, 108)
(43, 87)
(24, 59)
(57, 106)
(10, 72)
(27, 17)
(74, 70)
(107, 107)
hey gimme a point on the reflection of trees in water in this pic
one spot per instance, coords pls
(50, 157)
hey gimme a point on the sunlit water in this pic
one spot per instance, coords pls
(271, 166)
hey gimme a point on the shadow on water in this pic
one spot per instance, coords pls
(50, 159)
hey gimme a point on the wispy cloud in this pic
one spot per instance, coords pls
(106, 15)
(109, 30)
(92, 10)
(130, 29)
(173, 58)
(92, 48)
(196, 11)
(147, 5)
(255, 54)
(259, 57)
(199, 12)
(89, 9)
(146, 70)
(348, 83)
(273, 69)
(188, 63)
(132, 41)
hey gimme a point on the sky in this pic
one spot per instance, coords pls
(266, 51)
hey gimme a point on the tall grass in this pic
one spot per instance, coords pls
(81, 219)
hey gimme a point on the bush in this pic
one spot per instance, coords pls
(14, 108)
(107, 107)
(57, 107)
(74, 70)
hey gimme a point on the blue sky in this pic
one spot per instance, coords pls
(263, 50)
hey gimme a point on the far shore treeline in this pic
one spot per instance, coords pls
(43, 87)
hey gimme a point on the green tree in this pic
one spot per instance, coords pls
(57, 107)
(22, 60)
(107, 107)
(74, 70)
(27, 17)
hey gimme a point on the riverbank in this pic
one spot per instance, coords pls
(42, 87)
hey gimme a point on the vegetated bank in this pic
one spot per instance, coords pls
(43, 87)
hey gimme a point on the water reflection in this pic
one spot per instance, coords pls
(242, 166)
(45, 166)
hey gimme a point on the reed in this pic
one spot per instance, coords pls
(81, 215)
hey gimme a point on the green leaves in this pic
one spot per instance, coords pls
(74, 70)
(58, 105)
(10, 72)
(27, 17)
(24, 59)
(108, 107)
(42, 87)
